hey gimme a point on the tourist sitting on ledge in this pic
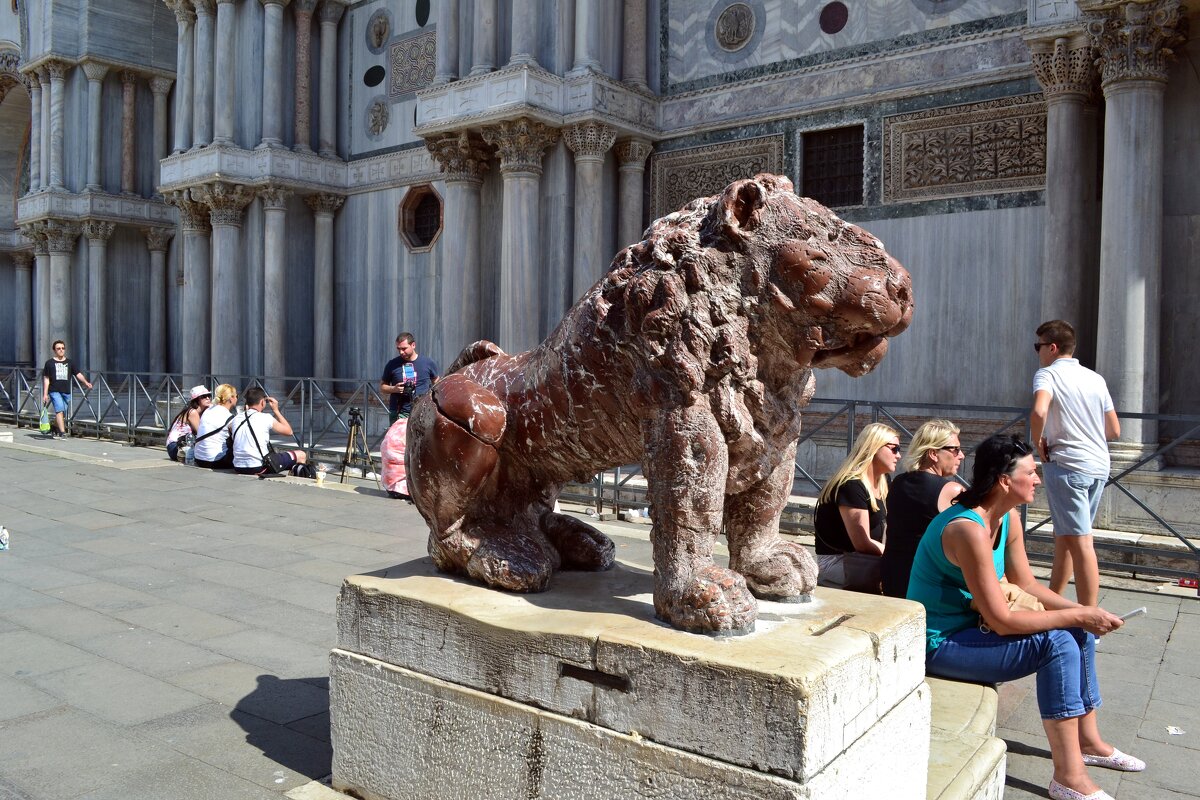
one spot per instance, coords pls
(850, 515)
(252, 431)
(916, 496)
(962, 557)
(188, 420)
(213, 448)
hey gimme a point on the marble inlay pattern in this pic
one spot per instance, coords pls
(413, 64)
(681, 176)
(979, 148)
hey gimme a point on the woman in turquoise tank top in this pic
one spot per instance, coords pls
(963, 554)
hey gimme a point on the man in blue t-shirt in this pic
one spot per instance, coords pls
(406, 377)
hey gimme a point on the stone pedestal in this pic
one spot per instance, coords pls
(439, 687)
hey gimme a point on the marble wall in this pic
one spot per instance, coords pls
(14, 130)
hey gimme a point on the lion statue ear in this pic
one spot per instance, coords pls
(739, 207)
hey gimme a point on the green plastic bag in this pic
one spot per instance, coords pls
(44, 422)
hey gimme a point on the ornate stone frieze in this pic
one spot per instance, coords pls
(1046, 12)
(225, 201)
(193, 215)
(158, 239)
(520, 143)
(461, 156)
(589, 139)
(681, 176)
(324, 202)
(1135, 40)
(978, 148)
(1064, 65)
(22, 259)
(274, 197)
(97, 230)
(60, 236)
(413, 62)
(633, 152)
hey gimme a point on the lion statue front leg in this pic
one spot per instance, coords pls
(686, 466)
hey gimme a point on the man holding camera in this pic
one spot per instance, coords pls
(406, 377)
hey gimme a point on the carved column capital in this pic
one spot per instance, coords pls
(193, 215)
(128, 77)
(520, 143)
(225, 201)
(158, 239)
(330, 11)
(1064, 65)
(280, 3)
(184, 15)
(1135, 40)
(56, 69)
(589, 139)
(97, 230)
(205, 7)
(22, 259)
(160, 84)
(461, 156)
(60, 236)
(94, 70)
(632, 153)
(34, 82)
(325, 203)
(33, 233)
(274, 197)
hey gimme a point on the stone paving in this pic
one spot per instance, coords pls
(164, 633)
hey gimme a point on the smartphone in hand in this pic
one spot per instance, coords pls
(1137, 612)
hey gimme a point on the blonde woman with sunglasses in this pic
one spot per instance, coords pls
(850, 516)
(925, 489)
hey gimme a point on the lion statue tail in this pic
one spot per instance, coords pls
(476, 351)
(452, 451)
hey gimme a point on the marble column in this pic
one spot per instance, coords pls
(202, 92)
(98, 233)
(631, 155)
(157, 242)
(524, 27)
(463, 159)
(274, 201)
(185, 19)
(589, 141)
(226, 202)
(129, 80)
(44, 166)
(60, 242)
(1135, 43)
(41, 289)
(446, 53)
(58, 75)
(633, 45)
(223, 74)
(159, 88)
(303, 117)
(95, 73)
(272, 99)
(520, 144)
(329, 14)
(483, 38)
(195, 338)
(35, 132)
(587, 31)
(324, 206)
(23, 318)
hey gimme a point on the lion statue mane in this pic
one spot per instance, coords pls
(693, 356)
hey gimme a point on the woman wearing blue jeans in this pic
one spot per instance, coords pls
(964, 553)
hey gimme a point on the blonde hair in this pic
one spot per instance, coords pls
(854, 468)
(933, 435)
(224, 392)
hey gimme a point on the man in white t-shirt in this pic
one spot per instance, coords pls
(252, 431)
(1072, 421)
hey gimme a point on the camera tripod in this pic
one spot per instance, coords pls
(357, 453)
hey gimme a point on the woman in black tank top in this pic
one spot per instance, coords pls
(918, 495)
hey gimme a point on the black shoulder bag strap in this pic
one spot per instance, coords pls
(257, 446)
(214, 432)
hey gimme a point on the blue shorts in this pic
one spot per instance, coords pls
(1074, 499)
(61, 402)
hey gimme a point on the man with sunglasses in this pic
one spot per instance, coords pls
(56, 386)
(1072, 421)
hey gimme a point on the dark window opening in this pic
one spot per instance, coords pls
(834, 17)
(833, 166)
(374, 76)
(427, 220)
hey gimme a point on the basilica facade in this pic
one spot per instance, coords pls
(279, 187)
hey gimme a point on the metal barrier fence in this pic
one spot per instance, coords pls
(139, 407)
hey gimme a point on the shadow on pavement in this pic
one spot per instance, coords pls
(288, 720)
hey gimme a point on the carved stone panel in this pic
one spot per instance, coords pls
(681, 176)
(977, 148)
(412, 64)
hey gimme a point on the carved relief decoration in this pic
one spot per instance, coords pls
(633, 153)
(10, 76)
(681, 176)
(460, 155)
(735, 26)
(1135, 41)
(324, 203)
(157, 239)
(378, 29)
(589, 139)
(1064, 65)
(193, 215)
(412, 64)
(377, 117)
(98, 231)
(520, 143)
(978, 148)
(225, 201)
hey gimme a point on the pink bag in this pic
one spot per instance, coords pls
(392, 454)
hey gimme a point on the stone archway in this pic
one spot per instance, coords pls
(14, 137)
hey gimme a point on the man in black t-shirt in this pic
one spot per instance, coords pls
(56, 386)
(406, 377)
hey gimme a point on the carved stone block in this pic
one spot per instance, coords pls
(680, 176)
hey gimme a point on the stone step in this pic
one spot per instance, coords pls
(966, 760)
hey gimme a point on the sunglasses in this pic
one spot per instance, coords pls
(953, 449)
(895, 448)
(1037, 346)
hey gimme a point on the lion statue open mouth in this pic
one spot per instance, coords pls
(692, 356)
